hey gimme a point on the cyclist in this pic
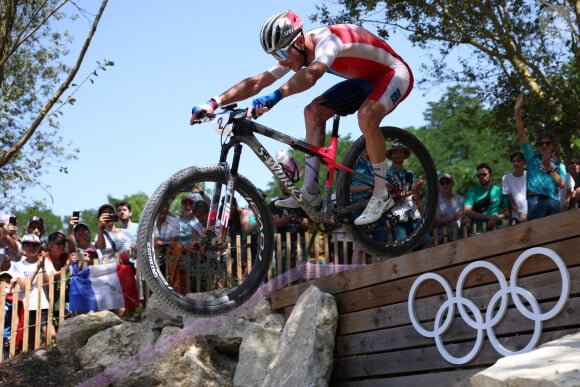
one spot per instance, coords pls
(373, 70)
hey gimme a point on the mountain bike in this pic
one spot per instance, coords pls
(211, 266)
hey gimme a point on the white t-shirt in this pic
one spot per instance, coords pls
(24, 269)
(569, 187)
(122, 240)
(168, 231)
(516, 186)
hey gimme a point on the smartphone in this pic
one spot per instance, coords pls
(76, 214)
(113, 218)
(12, 220)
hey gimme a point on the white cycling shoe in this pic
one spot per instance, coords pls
(314, 199)
(375, 208)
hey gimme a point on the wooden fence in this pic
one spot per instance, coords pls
(378, 344)
(324, 250)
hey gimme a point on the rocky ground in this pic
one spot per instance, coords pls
(43, 367)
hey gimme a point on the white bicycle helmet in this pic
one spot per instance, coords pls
(280, 30)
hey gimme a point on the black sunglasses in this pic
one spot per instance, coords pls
(482, 174)
(544, 143)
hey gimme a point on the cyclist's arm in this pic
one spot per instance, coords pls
(247, 88)
(519, 121)
(304, 79)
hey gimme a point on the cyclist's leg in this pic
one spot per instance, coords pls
(389, 91)
(349, 94)
(315, 117)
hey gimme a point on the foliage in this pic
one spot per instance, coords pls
(504, 46)
(33, 79)
(52, 222)
(88, 216)
(137, 202)
(460, 134)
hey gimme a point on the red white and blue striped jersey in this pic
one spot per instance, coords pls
(351, 51)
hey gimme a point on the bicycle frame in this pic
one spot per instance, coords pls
(243, 133)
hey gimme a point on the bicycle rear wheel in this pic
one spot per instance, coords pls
(380, 239)
(207, 275)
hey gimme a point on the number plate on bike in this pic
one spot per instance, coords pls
(222, 125)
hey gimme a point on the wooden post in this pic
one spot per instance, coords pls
(249, 257)
(51, 302)
(2, 315)
(288, 251)
(239, 258)
(62, 296)
(14, 324)
(278, 253)
(37, 323)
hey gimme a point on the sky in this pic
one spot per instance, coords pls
(132, 124)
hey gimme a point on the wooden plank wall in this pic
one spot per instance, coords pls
(378, 346)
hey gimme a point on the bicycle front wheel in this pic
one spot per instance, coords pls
(197, 268)
(405, 227)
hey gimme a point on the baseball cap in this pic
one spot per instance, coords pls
(30, 238)
(57, 237)
(445, 176)
(35, 220)
(397, 145)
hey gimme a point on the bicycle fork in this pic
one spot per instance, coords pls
(219, 213)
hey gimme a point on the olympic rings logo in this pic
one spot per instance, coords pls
(479, 322)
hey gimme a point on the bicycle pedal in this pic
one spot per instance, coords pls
(392, 218)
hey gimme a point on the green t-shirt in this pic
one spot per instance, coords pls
(498, 202)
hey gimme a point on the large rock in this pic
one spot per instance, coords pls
(556, 363)
(225, 332)
(192, 362)
(74, 333)
(115, 344)
(306, 348)
(258, 348)
(159, 315)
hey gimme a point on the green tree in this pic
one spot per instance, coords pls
(137, 202)
(460, 133)
(505, 46)
(33, 81)
(52, 222)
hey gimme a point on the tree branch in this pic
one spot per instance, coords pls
(10, 153)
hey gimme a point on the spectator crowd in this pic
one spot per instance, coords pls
(30, 257)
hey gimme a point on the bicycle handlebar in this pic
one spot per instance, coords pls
(232, 108)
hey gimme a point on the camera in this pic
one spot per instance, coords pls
(76, 214)
(113, 218)
(12, 220)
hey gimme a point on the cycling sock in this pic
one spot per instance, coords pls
(311, 174)
(380, 189)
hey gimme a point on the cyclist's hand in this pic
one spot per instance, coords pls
(262, 104)
(199, 110)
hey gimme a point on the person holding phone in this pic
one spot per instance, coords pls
(9, 239)
(111, 239)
